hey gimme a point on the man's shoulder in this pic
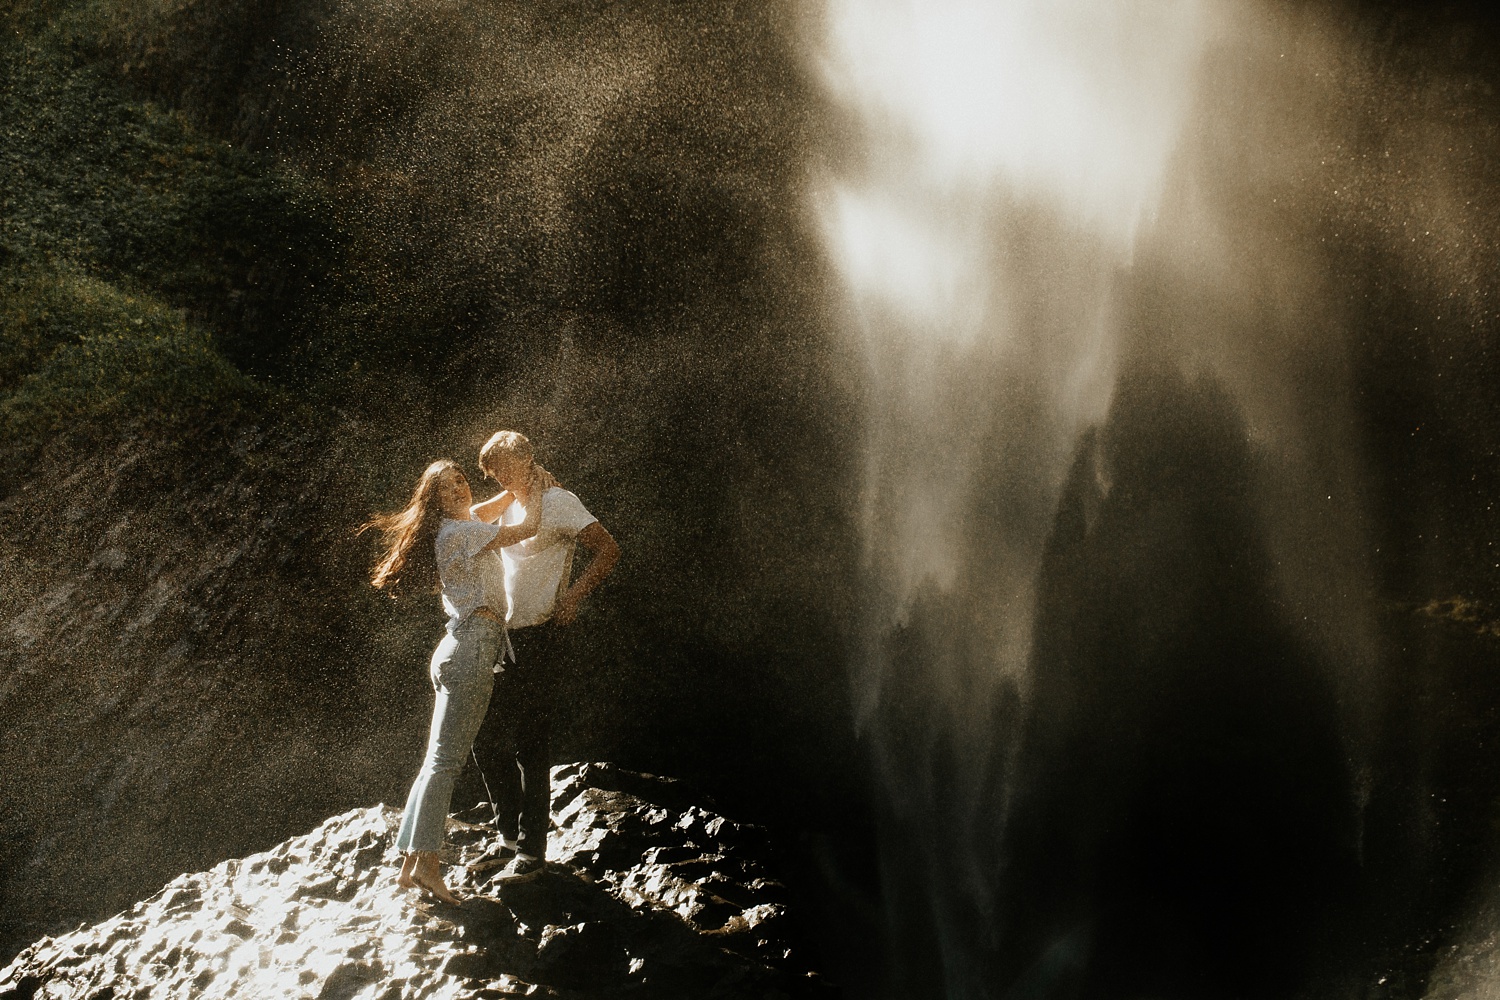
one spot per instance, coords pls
(563, 507)
(453, 526)
(557, 494)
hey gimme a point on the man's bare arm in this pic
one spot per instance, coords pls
(605, 553)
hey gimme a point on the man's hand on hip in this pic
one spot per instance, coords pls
(605, 554)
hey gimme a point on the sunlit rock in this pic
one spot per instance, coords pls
(646, 894)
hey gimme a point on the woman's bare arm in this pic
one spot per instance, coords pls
(511, 534)
(491, 509)
(541, 481)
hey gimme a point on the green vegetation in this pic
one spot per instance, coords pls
(147, 272)
(296, 251)
(78, 349)
(437, 220)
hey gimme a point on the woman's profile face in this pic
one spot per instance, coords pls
(454, 493)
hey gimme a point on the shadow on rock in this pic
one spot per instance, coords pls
(640, 899)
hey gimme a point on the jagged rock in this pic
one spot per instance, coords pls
(646, 894)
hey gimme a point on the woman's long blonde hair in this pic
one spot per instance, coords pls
(409, 537)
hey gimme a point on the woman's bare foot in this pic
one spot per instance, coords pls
(428, 876)
(408, 864)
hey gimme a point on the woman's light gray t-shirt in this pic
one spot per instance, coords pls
(471, 578)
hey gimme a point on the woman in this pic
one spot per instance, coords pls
(434, 544)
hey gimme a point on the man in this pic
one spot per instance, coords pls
(543, 601)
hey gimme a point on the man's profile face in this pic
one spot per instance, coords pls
(510, 469)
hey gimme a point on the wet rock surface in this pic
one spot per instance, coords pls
(646, 894)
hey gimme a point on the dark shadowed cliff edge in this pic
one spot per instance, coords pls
(1196, 787)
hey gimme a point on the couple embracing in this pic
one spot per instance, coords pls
(504, 569)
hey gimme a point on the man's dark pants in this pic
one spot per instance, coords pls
(514, 747)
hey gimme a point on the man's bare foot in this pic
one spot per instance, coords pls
(428, 877)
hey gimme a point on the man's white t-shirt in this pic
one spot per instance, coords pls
(537, 569)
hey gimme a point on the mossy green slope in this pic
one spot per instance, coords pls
(145, 268)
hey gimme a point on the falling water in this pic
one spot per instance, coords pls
(1012, 153)
(1090, 253)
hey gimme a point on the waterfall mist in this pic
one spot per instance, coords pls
(1120, 277)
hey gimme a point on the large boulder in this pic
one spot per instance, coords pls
(647, 894)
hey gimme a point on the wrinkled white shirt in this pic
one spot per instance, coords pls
(537, 568)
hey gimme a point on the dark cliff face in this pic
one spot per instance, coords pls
(647, 894)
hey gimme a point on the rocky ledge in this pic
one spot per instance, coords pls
(646, 895)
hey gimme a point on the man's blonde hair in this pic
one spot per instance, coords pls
(504, 443)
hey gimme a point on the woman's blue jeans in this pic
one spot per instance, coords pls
(463, 675)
